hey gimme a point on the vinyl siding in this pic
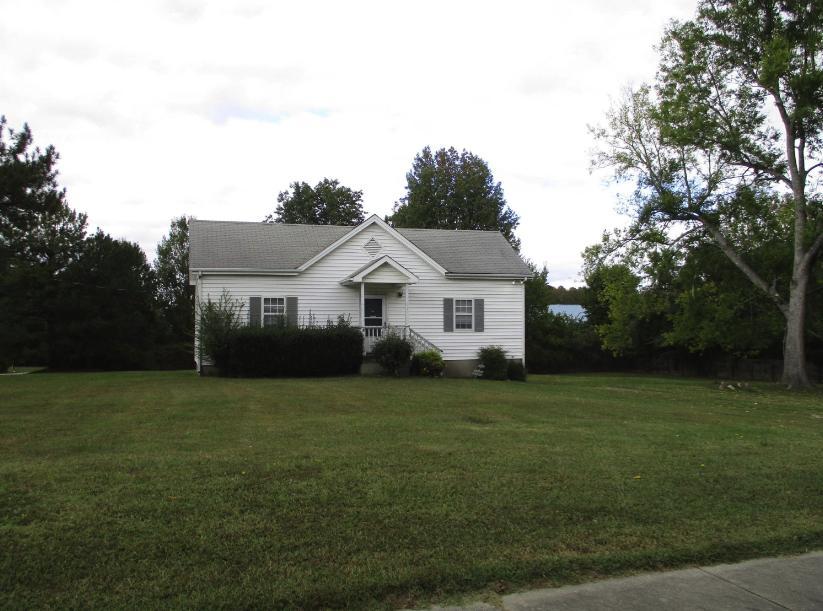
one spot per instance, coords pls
(321, 296)
(385, 273)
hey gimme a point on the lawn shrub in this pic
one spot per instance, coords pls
(493, 363)
(392, 352)
(516, 371)
(291, 351)
(428, 363)
(216, 322)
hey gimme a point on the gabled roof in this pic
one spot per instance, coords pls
(365, 270)
(230, 246)
(374, 220)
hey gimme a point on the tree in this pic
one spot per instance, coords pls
(171, 267)
(108, 314)
(327, 203)
(554, 342)
(706, 132)
(40, 236)
(451, 190)
(28, 187)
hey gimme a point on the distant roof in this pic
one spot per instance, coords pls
(280, 247)
(571, 310)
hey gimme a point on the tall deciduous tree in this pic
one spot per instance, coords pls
(171, 267)
(327, 203)
(738, 103)
(454, 190)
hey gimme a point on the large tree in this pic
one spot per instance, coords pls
(108, 315)
(448, 189)
(738, 104)
(652, 297)
(40, 236)
(326, 203)
(171, 267)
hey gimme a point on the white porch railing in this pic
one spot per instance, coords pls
(372, 335)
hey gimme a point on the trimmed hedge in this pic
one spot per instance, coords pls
(291, 351)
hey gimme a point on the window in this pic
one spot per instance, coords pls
(274, 311)
(463, 314)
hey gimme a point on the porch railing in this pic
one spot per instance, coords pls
(372, 335)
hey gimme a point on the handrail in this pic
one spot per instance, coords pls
(415, 337)
(372, 335)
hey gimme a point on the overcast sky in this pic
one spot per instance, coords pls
(161, 108)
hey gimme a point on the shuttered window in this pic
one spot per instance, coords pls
(274, 311)
(463, 314)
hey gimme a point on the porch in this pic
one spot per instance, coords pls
(383, 286)
(373, 334)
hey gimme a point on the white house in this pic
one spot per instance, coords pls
(454, 291)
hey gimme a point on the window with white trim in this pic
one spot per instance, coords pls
(274, 311)
(463, 314)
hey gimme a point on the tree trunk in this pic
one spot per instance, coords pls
(794, 349)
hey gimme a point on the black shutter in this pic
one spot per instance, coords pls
(479, 315)
(291, 311)
(448, 314)
(254, 311)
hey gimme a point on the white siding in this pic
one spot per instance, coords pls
(385, 273)
(320, 295)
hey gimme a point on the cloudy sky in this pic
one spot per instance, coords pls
(161, 108)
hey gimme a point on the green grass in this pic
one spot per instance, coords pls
(164, 489)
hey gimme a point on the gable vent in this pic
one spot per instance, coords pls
(372, 247)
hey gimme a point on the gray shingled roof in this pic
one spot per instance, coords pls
(277, 247)
(271, 246)
(468, 252)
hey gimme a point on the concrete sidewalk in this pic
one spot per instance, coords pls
(793, 582)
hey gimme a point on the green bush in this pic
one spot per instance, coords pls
(516, 371)
(493, 363)
(291, 351)
(216, 322)
(392, 352)
(5, 363)
(428, 363)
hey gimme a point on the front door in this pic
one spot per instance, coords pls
(373, 312)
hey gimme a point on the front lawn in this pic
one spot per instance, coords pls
(164, 489)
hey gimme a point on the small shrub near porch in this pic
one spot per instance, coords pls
(392, 353)
(428, 363)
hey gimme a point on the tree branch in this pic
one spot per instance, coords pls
(812, 252)
(744, 267)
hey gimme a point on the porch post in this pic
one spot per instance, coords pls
(362, 304)
(406, 300)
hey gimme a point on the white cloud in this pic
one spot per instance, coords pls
(165, 108)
